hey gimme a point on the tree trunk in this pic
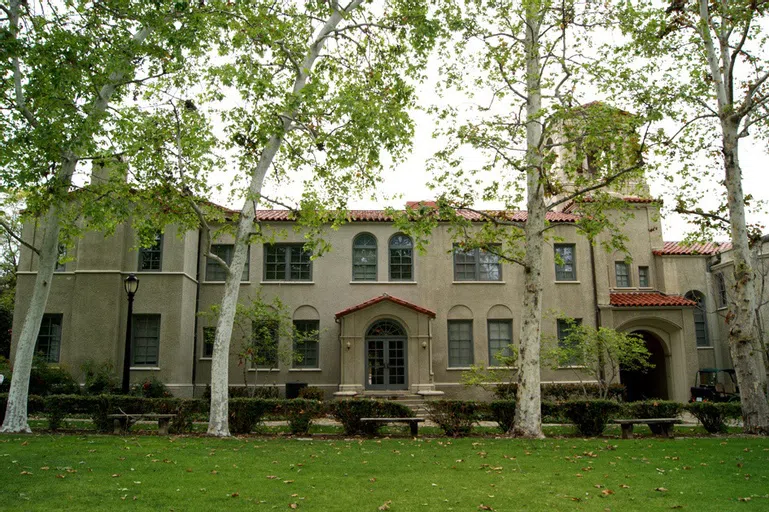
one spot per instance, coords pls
(16, 409)
(528, 411)
(220, 360)
(744, 345)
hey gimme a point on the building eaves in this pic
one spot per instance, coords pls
(383, 297)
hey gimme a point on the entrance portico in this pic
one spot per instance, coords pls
(386, 345)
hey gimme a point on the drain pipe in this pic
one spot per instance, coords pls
(597, 311)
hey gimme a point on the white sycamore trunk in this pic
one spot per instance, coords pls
(16, 410)
(528, 413)
(744, 345)
(18, 394)
(220, 360)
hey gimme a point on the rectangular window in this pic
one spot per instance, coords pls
(460, 343)
(721, 290)
(150, 257)
(476, 265)
(264, 337)
(145, 340)
(287, 262)
(643, 277)
(500, 338)
(214, 271)
(564, 327)
(49, 338)
(622, 272)
(209, 336)
(566, 270)
(60, 266)
(306, 338)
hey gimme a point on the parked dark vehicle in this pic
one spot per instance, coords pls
(709, 388)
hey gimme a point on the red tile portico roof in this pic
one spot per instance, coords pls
(681, 249)
(647, 300)
(383, 216)
(383, 297)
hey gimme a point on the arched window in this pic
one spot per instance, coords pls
(364, 258)
(401, 258)
(700, 319)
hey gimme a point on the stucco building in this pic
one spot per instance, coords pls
(389, 318)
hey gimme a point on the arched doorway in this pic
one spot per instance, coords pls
(386, 356)
(653, 383)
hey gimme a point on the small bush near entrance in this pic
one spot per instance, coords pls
(590, 416)
(349, 413)
(454, 417)
(713, 415)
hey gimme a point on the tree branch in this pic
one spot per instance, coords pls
(16, 237)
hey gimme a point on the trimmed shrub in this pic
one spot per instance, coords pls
(653, 409)
(561, 392)
(100, 378)
(299, 413)
(553, 412)
(454, 417)
(590, 416)
(503, 412)
(349, 413)
(312, 393)
(245, 413)
(46, 379)
(713, 415)
(56, 407)
(151, 387)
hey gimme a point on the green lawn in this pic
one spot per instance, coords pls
(68, 472)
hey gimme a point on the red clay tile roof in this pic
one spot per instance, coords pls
(384, 296)
(648, 299)
(382, 216)
(681, 249)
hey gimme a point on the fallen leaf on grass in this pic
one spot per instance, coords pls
(115, 475)
(385, 505)
(744, 499)
(288, 481)
(293, 505)
(372, 480)
(271, 477)
(59, 476)
(484, 507)
(234, 495)
(26, 473)
(607, 492)
(661, 489)
(624, 486)
(45, 468)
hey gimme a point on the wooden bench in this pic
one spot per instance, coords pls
(413, 422)
(665, 425)
(123, 421)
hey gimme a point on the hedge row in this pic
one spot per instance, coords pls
(245, 413)
(590, 417)
(562, 392)
(454, 417)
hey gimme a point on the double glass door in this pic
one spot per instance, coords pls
(386, 363)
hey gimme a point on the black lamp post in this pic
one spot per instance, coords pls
(131, 284)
